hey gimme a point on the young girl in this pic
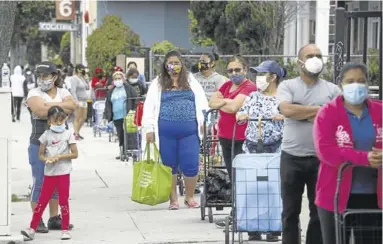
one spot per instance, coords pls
(57, 149)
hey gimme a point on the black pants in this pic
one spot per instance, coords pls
(226, 151)
(119, 123)
(363, 222)
(296, 172)
(17, 101)
(131, 138)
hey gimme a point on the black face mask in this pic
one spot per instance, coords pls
(83, 73)
(99, 76)
(203, 66)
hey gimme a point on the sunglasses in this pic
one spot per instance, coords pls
(236, 70)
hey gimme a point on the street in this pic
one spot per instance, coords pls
(103, 212)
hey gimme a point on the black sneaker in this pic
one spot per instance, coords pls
(81, 137)
(255, 236)
(222, 224)
(41, 228)
(54, 223)
(271, 238)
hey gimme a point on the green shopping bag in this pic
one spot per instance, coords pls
(130, 126)
(152, 180)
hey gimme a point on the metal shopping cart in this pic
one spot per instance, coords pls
(212, 167)
(256, 196)
(132, 135)
(99, 108)
(356, 226)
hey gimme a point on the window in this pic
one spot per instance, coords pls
(312, 27)
(375, 34)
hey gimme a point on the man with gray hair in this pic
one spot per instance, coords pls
(300, 99)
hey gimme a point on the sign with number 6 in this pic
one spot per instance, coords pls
(65, 10)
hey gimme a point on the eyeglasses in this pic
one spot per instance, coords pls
(236, 70)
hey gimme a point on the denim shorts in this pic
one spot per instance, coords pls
(37, 172)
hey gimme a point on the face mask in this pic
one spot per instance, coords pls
(237, 79)
(118, 83)
(133, 81)
(28, 72)
(99, 76)
(174, 69)
(58, 128)
(355, 93)
(45, 85)
(203, 66)
(314, 66)
(262, 83)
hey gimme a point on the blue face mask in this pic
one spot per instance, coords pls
(58, 128)
(237, 79)
(355, 93)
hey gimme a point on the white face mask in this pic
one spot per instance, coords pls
(118, 83)
(133, 81)
(262, 83)
(314, 65)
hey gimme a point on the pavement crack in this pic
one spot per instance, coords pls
(134, 222)
(101, 179)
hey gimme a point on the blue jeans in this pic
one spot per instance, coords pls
(37, 172)
(180, 146)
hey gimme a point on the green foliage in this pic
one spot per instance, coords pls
(197, 37)
(109, 40)
(255, 27)
(28, 16)
(65, 48)
(163, 47)
(373, 66)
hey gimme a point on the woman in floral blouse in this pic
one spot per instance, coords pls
(263, 103)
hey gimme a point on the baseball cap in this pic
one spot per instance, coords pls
(79, 67)
(46, 68)
(269, 66)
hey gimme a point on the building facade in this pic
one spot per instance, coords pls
(315, 23)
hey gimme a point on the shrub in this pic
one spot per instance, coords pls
(112, 38)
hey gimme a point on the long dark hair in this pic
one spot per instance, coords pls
(165, 81)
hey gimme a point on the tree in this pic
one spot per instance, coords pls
(28, 16)
(65, 48)
(244, 27)
(162, 47)
(7, 19)
(112, 38)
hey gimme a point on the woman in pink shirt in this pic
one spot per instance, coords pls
(229, 99)
(349, 129)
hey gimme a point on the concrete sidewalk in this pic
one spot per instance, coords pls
(104, 213)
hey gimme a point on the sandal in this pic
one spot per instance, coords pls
(174, 206)
(192, 204)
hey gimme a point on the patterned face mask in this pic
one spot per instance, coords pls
(174, 69)
(45, 85)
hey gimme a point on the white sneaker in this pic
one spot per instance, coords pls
(65, 235)
(28, 234)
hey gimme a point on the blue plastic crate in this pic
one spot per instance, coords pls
(257, 192)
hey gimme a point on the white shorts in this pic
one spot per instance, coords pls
(83, 104)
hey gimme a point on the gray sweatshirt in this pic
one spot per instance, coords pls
(79, 88)
(210, 84)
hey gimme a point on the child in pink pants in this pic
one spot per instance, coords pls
(57, 149)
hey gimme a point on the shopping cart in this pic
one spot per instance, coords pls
(132, 135)
(98, 126)
(256, 196)
(212, 164)
(355, 224)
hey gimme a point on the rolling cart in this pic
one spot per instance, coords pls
(256, 197)
(210, 145)
(352, 223)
